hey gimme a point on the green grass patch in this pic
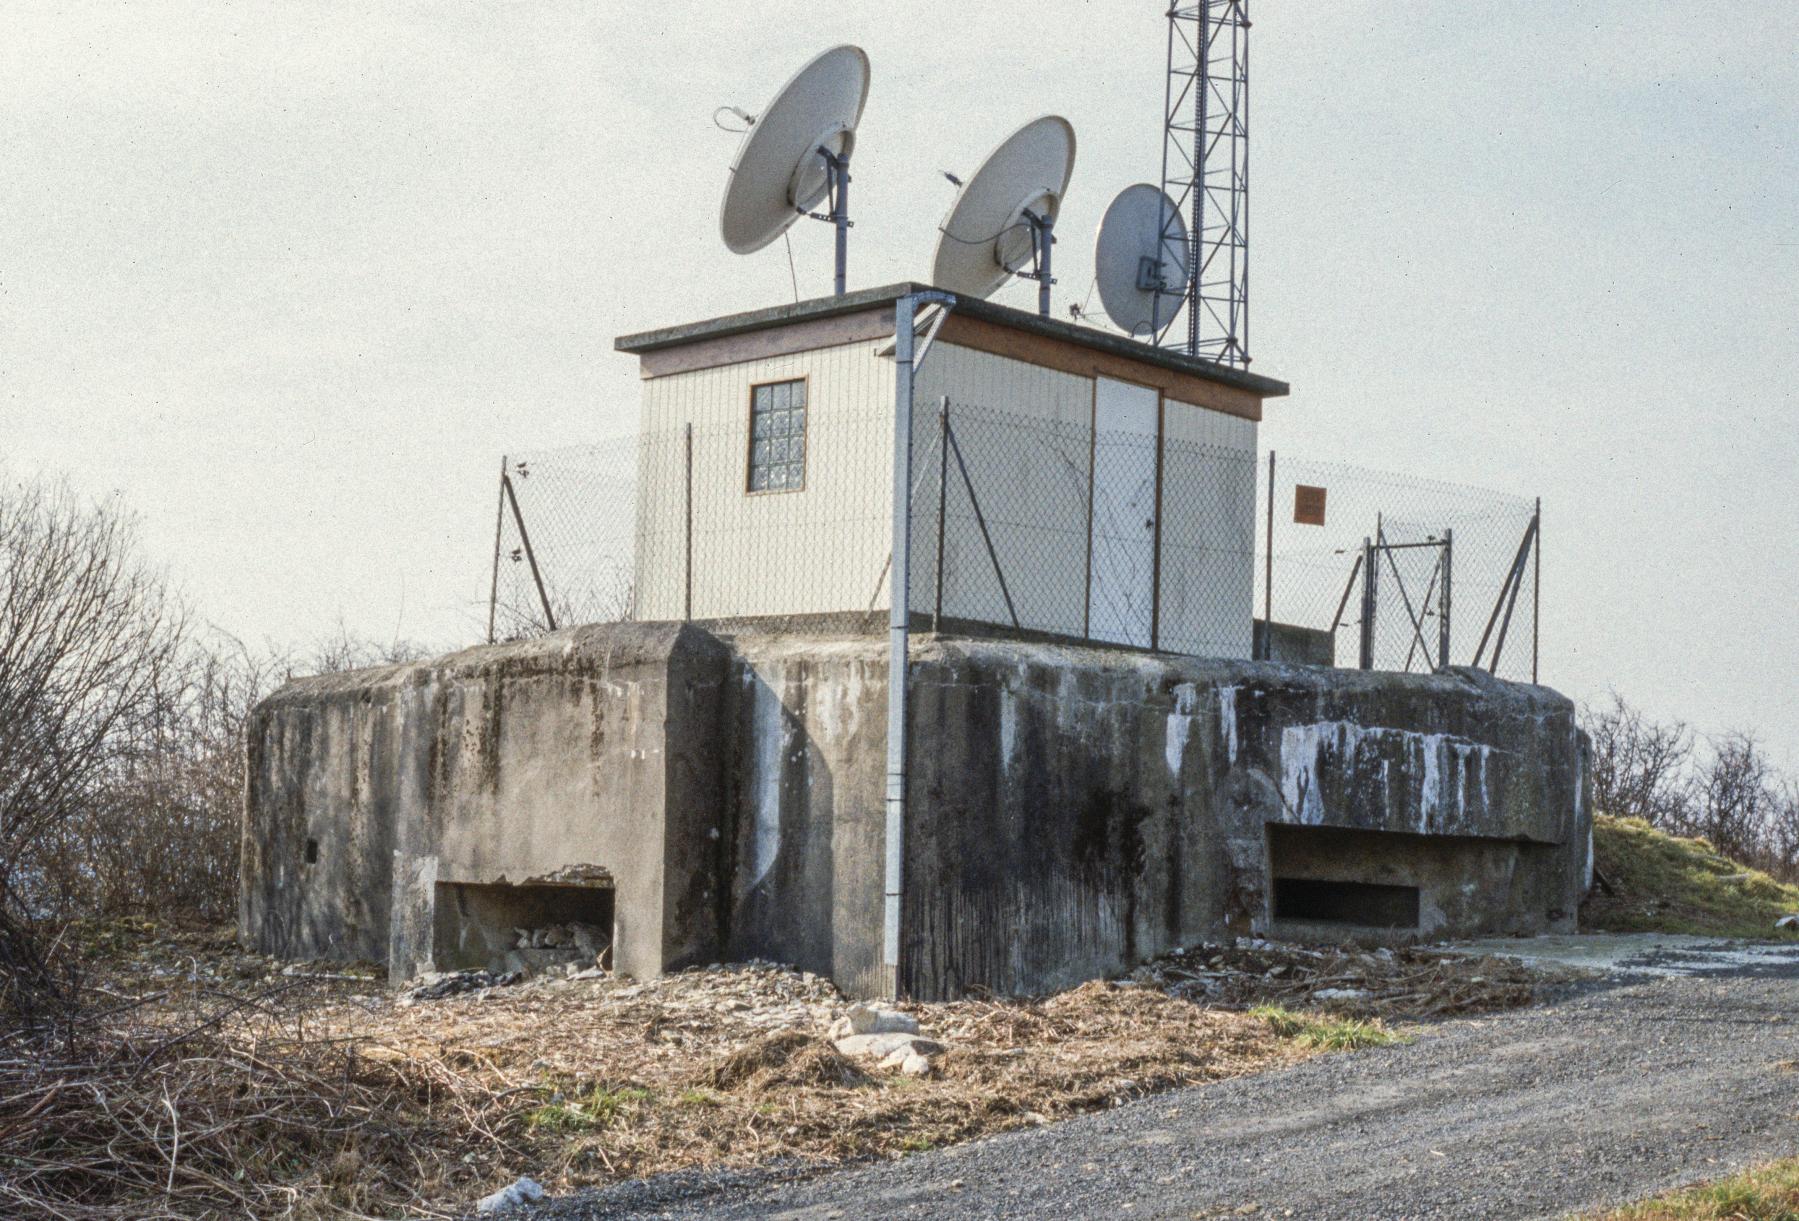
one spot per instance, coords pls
(597, 1108)
(1323, 1032)
(1761, 1193)
(1666, 884)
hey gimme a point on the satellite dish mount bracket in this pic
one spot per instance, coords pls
(1043, 241)
(837, 190)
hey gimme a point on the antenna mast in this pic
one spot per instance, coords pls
(1205, 171)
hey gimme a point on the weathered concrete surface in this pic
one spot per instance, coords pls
(808, 720)
(593, 747)
(1295, 645)
(1078, 810)
(1072, 810)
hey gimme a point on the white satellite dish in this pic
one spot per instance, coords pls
(1004, 217)
(796, 153)
(1140, 260)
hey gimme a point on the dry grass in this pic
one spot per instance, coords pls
(1761, 1193)
(216, 1085)
(1672, 885)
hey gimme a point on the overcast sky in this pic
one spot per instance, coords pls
(293, 276)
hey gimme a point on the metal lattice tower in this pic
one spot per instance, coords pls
(1205, 171)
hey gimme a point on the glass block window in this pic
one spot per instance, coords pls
(778, 437)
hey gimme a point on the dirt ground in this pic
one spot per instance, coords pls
(237, 1085)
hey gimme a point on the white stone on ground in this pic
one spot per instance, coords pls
(880, 1046)
(523, 1191)
(878, 1019)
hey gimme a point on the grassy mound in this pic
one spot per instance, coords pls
(1665, 884)
(1763, 1193)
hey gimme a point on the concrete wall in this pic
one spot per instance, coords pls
(1072, 810)
(1076, 810)
(594, 750)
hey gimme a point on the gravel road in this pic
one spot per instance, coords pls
(1614, 1092)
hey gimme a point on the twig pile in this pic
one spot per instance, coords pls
(1412, 983)
(238, 1111)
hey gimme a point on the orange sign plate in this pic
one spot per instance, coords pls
(1308, 505)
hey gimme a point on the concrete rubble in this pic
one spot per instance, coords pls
(566, 948)
(887, 1035)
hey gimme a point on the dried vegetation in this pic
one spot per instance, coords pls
(206, 1082)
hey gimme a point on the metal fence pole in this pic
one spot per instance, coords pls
(1268, 573)
(1536, 592)
(687, 543)
(524, 536)
(1443, 603)
(1369, 578)
(499, 519)
(1155, 541)
(942, 502)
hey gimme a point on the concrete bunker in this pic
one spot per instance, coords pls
(1092, 774)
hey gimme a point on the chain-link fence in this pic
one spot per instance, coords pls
(1022, 523)
(1453, 567)
(702, 522)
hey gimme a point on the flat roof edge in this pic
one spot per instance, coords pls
(867, 299)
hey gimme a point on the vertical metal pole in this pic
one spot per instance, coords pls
(1369, 576)
(1536, 592)
(687, 560)
(1443, 603)
(898, 627)
(1046, 239)
(1196, 238)
(942, 504)
(1155, 542)
(840, 215)
(524, 536)
(499, 518)
(1268, 573)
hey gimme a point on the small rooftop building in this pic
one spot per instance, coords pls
(1113, 482)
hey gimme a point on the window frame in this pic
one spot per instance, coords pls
(749, 443)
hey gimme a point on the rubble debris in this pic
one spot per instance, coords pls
(916, 1065)
(439, 984)
(880, 1046)
(523, 1191)
(554, 948)
(1407, 983)
(873, 1019)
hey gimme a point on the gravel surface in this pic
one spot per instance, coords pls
(1613, 1093)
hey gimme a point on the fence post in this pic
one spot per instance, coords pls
(524, 536)
(687, 541)
(499, 519)
(1369, 578)
(1536, 592)
(1155, 541)
(1268, 573)
(942, 502)
(1443, 602)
